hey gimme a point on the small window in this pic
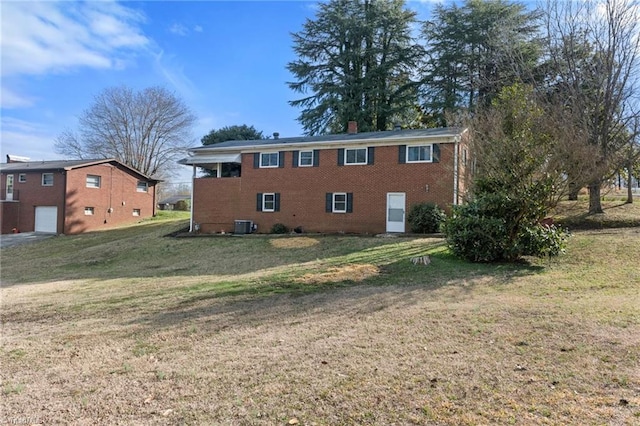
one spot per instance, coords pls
(136, 212)
(355, 156)
(305, 159)
(22, 178)
(419, 154)
(88, 211)
(269, 202)
(339, 202)
(47, 179)
(93, 181)
(142, 186)
(269, 159)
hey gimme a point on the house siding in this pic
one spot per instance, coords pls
(303, 191)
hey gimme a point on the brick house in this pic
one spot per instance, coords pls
(71, 197)
(351, 183)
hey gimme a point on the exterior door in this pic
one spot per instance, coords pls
(9, 192)
(47, 219)
(395, 211)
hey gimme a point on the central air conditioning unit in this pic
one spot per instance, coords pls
(243, 227)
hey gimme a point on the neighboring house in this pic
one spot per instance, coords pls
(70, 197)
(351, 183)
(170, 202)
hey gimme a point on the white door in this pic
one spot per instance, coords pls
(395, 211)
(9, 188)
(47, 219)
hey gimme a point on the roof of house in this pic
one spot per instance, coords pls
(64, 165)
(340, 138)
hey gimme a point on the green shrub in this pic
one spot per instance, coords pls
(279, 228)
(182, 205)
(502, 227)
(425, 218)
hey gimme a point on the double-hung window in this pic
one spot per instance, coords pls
(142, 186)
(47, 179)
(305, 159)
(339, 202)
(419, 154)
(355, 156)
(268, 202)
(93, 181)
(22, 178)
(269, 159)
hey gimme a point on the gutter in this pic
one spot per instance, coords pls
(456, 171)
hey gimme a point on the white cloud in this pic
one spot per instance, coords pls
(53, 37)
(10, 99)
(178, 29)
(198, 28)
(24, 138)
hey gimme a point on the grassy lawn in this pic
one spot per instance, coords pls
(132, 326)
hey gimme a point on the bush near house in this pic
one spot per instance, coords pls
(425, 218)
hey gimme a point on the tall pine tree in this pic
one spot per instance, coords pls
(356, 61)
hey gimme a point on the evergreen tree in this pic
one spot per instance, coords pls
(356, 62)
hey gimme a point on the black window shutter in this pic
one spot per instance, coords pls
(350, 202)
(341, 157)
(316, 157)
(295, 158)
(256, 160)
(259, 202)
(402, 154)
(280, 159)
(276, 202)
(370, 152)
(328, 205)
(436, 153)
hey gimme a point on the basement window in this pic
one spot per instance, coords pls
(136, 212)
(88, 211)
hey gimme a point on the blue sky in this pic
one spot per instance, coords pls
(225, 59)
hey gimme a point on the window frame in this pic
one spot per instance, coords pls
(264, 202)
(334, 202)
(22, 177)
(270, 166)
(136, 211)
(300, 164)
(138, 186)
(366, 156)
(98, 182)
(89, 211)
(409, 147)
(43, 179)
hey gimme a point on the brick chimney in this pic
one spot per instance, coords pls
(352, 127)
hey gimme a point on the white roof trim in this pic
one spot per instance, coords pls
(195, 159)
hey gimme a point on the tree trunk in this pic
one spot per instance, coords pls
(629, 186)
(595, 206)
(573, 192)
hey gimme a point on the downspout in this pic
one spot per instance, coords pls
(64, 205)
(456, 170)
(193, 184)
(153, 210)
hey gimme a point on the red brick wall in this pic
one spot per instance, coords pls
(9, 216)
(302, 192)
(32, 194)
(117, 192)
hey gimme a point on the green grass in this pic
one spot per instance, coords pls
(134, 326)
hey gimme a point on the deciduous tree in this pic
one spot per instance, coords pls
(146, 129)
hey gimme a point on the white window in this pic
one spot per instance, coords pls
(305, 159)
(142, 186)
(355, 156)
(88, 211)
(269, 159)
(269, 202)
(22, 178)
(47, 179)
(136, 212)
(339, 202)
(420, 154)
(93, 181)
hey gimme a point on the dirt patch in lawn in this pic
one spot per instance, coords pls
(293, 242)
(355, 273)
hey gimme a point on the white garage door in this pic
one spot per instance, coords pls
(47, 219)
